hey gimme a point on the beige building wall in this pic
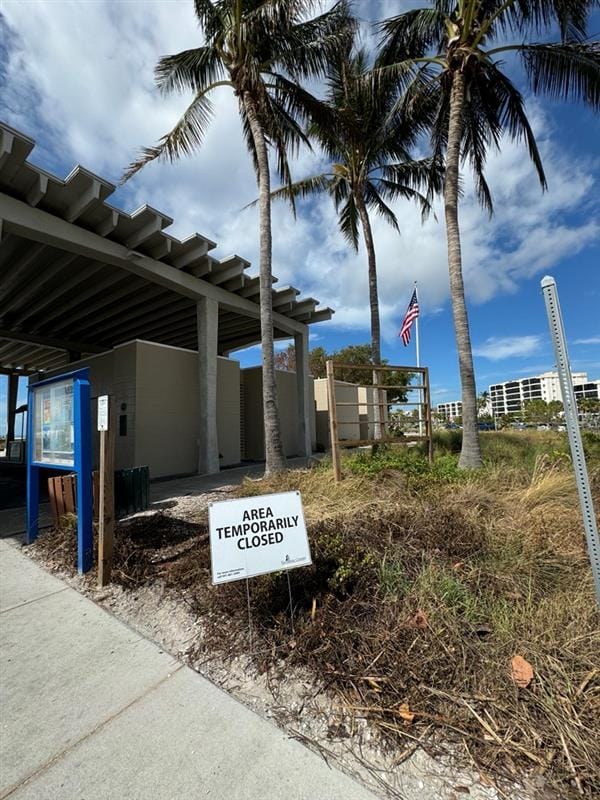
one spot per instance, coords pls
(355, 422)
(228, 411)
(166, 425)
(367, 396)
(347, 416)
(254, 429)
(155, 390)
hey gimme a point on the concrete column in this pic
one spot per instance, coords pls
(207, 315)
(11, 406)
(303, 393)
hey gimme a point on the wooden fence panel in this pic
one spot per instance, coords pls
(380, 427)
(62, 493)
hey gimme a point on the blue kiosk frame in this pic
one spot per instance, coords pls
(81, 463)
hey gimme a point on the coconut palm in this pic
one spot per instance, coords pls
(262, 50)
(450, 57)
(368, 146)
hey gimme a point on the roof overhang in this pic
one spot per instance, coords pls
(79, 276)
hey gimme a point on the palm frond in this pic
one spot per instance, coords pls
(569, 71)
(481, 127)
(183, 139)
(410, 35)
(248, 138)
(523, 16)
(190, 70)
(208, 17)
(348, 219)
(305, 50)
(514, 119)
(301, 190)
(376, 201)
(415, 174)
(299, 103)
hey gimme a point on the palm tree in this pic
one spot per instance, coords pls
(448, 56)
(367, 144)
(261, 49)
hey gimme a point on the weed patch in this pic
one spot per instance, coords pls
(426, 582)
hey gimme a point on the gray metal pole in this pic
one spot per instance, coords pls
(557, 332)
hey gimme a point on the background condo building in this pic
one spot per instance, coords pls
(450, 411)
(508, 397)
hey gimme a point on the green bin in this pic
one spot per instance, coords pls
(132, 490)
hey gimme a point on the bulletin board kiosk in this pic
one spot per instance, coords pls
(59, 438)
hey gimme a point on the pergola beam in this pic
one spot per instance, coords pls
(22, 294)
(81, 204)
(38, 225)
(151, 323)
(38, 310)
(198, 247)
(109, 223)
(38, 189)
(53, 344)
(105, 288)
(113, 302)
(18, 266)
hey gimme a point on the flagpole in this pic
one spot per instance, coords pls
(419, 363)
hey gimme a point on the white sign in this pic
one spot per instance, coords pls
(103, 412)
(255, 535)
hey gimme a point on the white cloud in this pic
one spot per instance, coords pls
(590, 340)
(497, 348)
(79, 80)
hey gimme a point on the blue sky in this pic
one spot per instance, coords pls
(77, 77)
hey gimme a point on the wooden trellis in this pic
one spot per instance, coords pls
(380, 423)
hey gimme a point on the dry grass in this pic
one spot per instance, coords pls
(425, 584)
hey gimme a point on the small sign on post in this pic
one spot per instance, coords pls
(106, 501)
(103, 412)
(256, 535)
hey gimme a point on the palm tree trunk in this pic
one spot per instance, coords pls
(374, 307)
(274, 457)
(470, 454)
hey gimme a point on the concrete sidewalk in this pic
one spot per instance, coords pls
(90, 710)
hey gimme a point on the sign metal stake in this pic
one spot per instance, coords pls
(557, 332)
(291, 602)
(249, 612)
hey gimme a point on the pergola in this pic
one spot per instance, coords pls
(79, 276)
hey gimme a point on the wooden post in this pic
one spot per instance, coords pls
(333, 426)
(381, 393)
(428, 424)
(106, 515)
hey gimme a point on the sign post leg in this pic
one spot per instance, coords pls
(83, 467)
(249, 612)
(333, 428)
(33, 477)
(291, 601)
(106, 501)
(33, 503)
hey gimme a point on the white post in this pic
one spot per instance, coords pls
(418, 365)
(559, 341)
(208, 333)
(11, 407)
(303, 394)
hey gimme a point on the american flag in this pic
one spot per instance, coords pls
(412, 312)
